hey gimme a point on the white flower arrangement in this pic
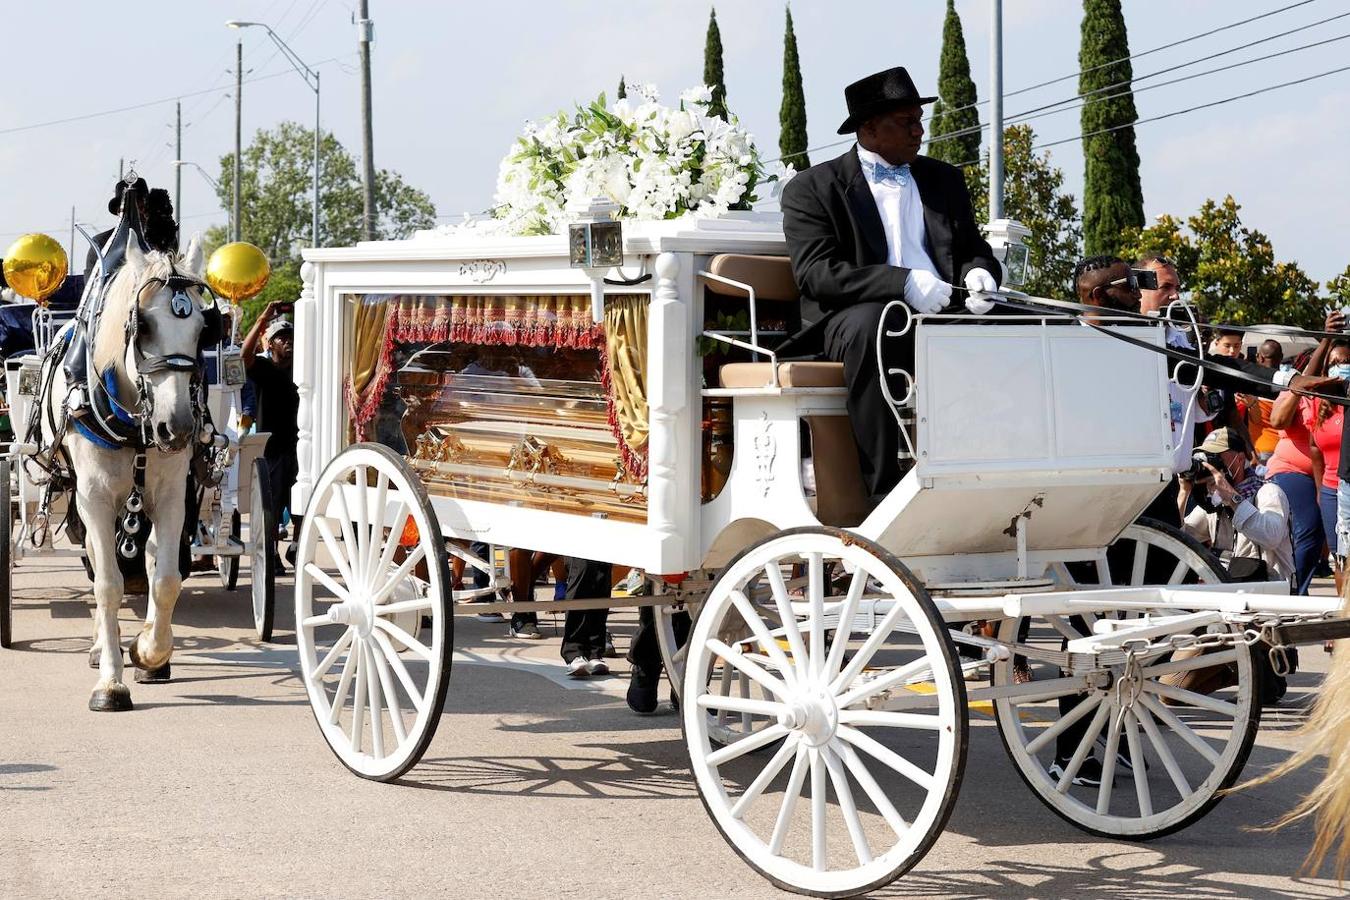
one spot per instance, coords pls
(655, 162)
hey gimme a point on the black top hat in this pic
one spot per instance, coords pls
(878, 93)
(115, 204)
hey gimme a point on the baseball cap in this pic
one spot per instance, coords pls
(1221, 440)
(278, 326)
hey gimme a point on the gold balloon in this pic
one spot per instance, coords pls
(238, 271)
(35, 266)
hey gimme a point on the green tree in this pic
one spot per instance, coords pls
(792, 138)
(1113, 199)
(1229, 270)
(276, 193)
(623, 89)
(712, 68)
(1338, 290)
(1033, 194)
(954, 128)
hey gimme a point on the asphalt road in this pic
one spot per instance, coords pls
(219, 785)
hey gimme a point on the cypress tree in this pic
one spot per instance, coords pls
(1113, 200)
(954, 112)
(712, 68)
(623, 89)
(792, 114)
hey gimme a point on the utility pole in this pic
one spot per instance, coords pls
(71, 256)
(996, 110)
(121, 166)
(238, 132)
(178, 154)
(365, 33)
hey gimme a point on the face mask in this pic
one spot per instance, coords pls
(1341, 371)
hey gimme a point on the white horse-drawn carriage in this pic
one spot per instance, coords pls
(456, 390)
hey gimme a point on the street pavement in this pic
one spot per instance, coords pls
(219, 785)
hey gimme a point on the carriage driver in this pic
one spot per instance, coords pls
(881, 223)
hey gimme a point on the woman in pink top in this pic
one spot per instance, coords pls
(1325, 421)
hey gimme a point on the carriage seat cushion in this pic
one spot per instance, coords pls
(790, 375)
(770, 276)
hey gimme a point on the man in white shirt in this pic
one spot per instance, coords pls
(882, 223)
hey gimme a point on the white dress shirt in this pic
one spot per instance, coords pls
(902, 217)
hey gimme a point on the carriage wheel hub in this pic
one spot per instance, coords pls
(355, 613)
(814, 714)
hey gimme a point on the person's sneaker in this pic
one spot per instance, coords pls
(597, 666)
(578, 668)
(609, 651)
(1089, 773)
(642, 693)
(526, 631)
(1022, 673)
(490, 617)
(1123, 761)
(291, 550)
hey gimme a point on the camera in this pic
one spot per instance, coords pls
(286, 308)
(1146, 279)
(1197, 472)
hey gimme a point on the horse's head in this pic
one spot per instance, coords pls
(165, 325)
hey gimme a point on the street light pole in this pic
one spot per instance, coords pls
(238, 134)
(312, 79)
(364, 37)
(996, 110)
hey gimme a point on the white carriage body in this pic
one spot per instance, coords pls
(1058, 422)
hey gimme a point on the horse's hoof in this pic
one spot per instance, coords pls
(154, 676)
(113, 699)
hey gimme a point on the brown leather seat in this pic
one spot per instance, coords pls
(790, 375)
(770, 276)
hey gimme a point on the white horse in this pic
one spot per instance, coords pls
(145, 348)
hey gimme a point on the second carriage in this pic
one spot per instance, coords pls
(459, 391)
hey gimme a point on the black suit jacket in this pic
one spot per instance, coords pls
(838, 244)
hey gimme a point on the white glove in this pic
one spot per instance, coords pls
(925, 292)
(980, 283)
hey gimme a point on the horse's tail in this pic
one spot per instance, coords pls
(1326, 733)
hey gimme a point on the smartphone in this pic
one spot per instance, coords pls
(1147, 279)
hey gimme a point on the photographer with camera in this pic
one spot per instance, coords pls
(1238, 513)
(277, 398)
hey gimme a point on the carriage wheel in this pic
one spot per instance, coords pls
(262, 539)
(6, 560)
(672, 651)
(860, 691)
(228, 566)
(1194, 742)
(375, 687)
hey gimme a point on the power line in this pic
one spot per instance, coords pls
(121, 109)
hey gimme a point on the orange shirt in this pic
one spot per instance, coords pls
(1264, 438)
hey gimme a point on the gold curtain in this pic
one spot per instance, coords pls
(368, 359)
(626, 353)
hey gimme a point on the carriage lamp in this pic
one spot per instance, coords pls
(595, 243)
(1007, 238)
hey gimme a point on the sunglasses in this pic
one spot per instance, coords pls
(1138, 280)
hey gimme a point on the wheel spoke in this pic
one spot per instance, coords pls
(331, 656)
(1141, 790)
(747, 719)
(746, 666)
(1179, 573)
(818, 809)
(391, 540)
(1088, 705)
(344, 685)
(327, 581)
(789, 805)
(404, 606)
(1187, 734)
(884, 718)
(1084, 746)
(1140, 561)
(404, 569)
(376, 707)
(349, 545)
(1109, 766)
(886, 756)
(362, 525)
(1191, 698)
(334, 549)
(761, 633)
(768, 774)
(375, 543)
(847, 806)
(869, 648)
(390, 692)
(1061, 624)
(1203, 661)
(863, 692)
(843, 632)
(870, 787)
(400, 671)
(741, 705)
(1164, 752)
(790, 626)
(416, 646)
(815, 594)
(746, 744)
(359, 699)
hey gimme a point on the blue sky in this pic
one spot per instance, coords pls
(454, 81)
